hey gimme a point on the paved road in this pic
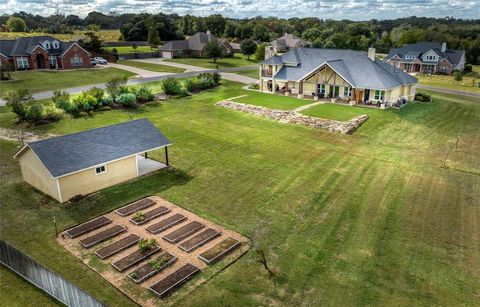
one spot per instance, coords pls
(448, 91)
(225, 74)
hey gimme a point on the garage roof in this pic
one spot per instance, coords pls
(71, 153)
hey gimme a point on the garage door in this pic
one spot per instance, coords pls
(166, 54)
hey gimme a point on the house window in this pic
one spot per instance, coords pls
(443, 69)
(53, 61)
(408, 66)
(22, 63)
(379, 95)
(46, 45)
(56, 45)
(100, 170)
(76, 61)
(321, 89)
(346, 91)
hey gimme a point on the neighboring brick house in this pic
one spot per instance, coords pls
(426, 57)
(43, 52)
(194, 46)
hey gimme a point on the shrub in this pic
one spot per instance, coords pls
(107, 100)
(127, 99)
(126, 90)
(253, 86)
(171, 86)
(144, 94)
(421, 97)
(19, 101)
(139, 216)
(34, 113)
(191, 85)
(98, 94)
(205, 82)
(114, 51)
(145, 245)
(114, 85)
(84, 102)
(468, 68)
(52, 112)
(216, 78)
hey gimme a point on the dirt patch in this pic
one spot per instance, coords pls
(139, 292)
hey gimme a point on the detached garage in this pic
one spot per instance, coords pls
(81, 163)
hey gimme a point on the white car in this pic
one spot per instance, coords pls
(101, 61)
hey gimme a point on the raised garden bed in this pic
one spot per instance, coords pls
(219, 250)
(140, 219)
(166, 223)
(183, 232)
(102, 236)
(153, 267)
(88, 226)
(134, 258)
(135, 206)
(118, 246)
(164, 286)
(199, 240)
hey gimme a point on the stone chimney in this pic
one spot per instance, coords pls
(371, 53)
(444, 47)
(269, 52)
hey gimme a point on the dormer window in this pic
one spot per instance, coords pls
(46, 45)
(56, 44)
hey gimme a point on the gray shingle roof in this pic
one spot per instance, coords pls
(25, 45)
(354, 66)
(195, 42)
(73, 152)
(288, 40)
(418, 49)
(6, 47)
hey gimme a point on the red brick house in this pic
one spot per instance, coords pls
(43, 52)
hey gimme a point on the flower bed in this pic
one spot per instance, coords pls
(166, 223)
(150, 215)
(134, 258)
(118, 246)
(164, 286)
(219, 250)
(88, 226)
(102, 236)
(199, 240)
(152, 267)
(135, 206)
(183, 232)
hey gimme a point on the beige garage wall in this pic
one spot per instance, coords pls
(87, 181)
(35, 173)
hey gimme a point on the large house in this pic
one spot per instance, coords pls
(426, 57)
(194, 46)
(43, 52)
(353, 76)
(287, 42)
(81, 163)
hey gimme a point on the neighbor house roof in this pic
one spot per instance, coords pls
(74, 152)
(288, 40)
(23, 46)
(195, 42)
(354, 66)
(419, 49)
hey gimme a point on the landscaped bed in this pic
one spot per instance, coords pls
(164, 286)
(152, 267)
(166, 223)
(134, 258)
(88, 226)
(219, 250)
(183, 232)
(141, 218)
(199, 240)
(102, 236)
(135, 206)
(117, 246)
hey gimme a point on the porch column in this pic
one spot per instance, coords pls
(166, 155)
(146, 155)
(300, 89)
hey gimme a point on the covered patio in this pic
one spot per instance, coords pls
(145, 165)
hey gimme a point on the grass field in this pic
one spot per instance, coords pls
(152, 67)
(344, 112)
(470, 82)
(235, 61)
(38, 81)
(272, 101)
(365, 219)
(249, 73)
(105, 35)
(129, 49)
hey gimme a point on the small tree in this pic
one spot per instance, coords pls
(260, 52)
(153, 36)
(213, 50)
(19, 101)
(114, 86)
(458, 76)
(134, 46)
(248, 47)
(16, 24)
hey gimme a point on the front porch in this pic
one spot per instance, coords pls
(145, 165)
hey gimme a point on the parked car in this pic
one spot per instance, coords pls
(101, 61)
(93, 61)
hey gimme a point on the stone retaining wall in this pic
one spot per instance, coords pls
(346, 127)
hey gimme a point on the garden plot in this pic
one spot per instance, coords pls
(88, 227)
(102, 236)
(219, 250)
(141, 218)
(139, 258)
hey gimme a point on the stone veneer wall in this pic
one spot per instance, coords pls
(346, 127)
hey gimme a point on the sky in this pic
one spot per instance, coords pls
(325, 9)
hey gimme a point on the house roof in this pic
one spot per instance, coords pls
(419, 49)
(175, 45)
(354, 66)
(74, 152)
(195, 42)
(288, 40)
(25, 45)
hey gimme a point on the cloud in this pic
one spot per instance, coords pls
(325, 9)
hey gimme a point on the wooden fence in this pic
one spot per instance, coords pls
(48, 281)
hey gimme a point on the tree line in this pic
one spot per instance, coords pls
(321, 33)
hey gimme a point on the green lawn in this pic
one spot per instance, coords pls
(152, 67)
(342, 112)
(272, 101)
(470, 82)
(129, 49)
(365, 219)
(235, 61)
(249, 73)
(38, 81)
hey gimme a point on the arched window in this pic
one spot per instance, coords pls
(46, 45)
(56, 45)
